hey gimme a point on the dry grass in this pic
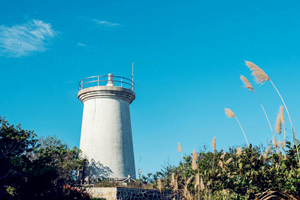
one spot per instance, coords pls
(221, 164)
(282, 120)
(281, 114)
(202, 186)
(172, 184)
(274, 195)
(194, 164)
(247, 84)
(229, 113)
(197, 181)
(275, 142)
(176, 186)
(229, 160)
(239, 151)
(179, 148)
(195, 155)
(279, 121)
(159, 185)
(213, 144)
(267, 152)
(259, 74)
(223, 155)
(186, 193)
(282, 144)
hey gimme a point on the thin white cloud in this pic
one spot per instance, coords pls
(102, 23)
(81, 44)
(23, 39)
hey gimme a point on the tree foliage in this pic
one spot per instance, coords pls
(37, 169)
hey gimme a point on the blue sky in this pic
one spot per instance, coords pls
(188, 58)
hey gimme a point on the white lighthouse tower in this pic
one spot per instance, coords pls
(106, 135)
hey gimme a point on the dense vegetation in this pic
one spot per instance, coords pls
(32, 168)
(242, 173)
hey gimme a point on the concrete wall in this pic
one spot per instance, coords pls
(106, 135)
(116, 193)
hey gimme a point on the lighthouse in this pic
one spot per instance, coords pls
(106, 135)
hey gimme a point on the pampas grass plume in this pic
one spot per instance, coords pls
(239, 151)
(202, 187)
(267, 152)
(189, 180)
(247, 84)
(197, 181)
(159, 185)
(259, 74)
(214, 144)
(221, 164)
(275, 141)
(281, 114)
(278, 121)
(195, 155)
(179, 148)
(229, 113)
(223, 155)
(174, 183)
(176, 186)
(172, 180)
(194, 164)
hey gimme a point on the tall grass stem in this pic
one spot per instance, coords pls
(264, 112)
(242, 130)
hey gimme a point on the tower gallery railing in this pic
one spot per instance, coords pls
(106, 80)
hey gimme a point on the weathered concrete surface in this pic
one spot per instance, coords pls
(106, 135)
(117, 193)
